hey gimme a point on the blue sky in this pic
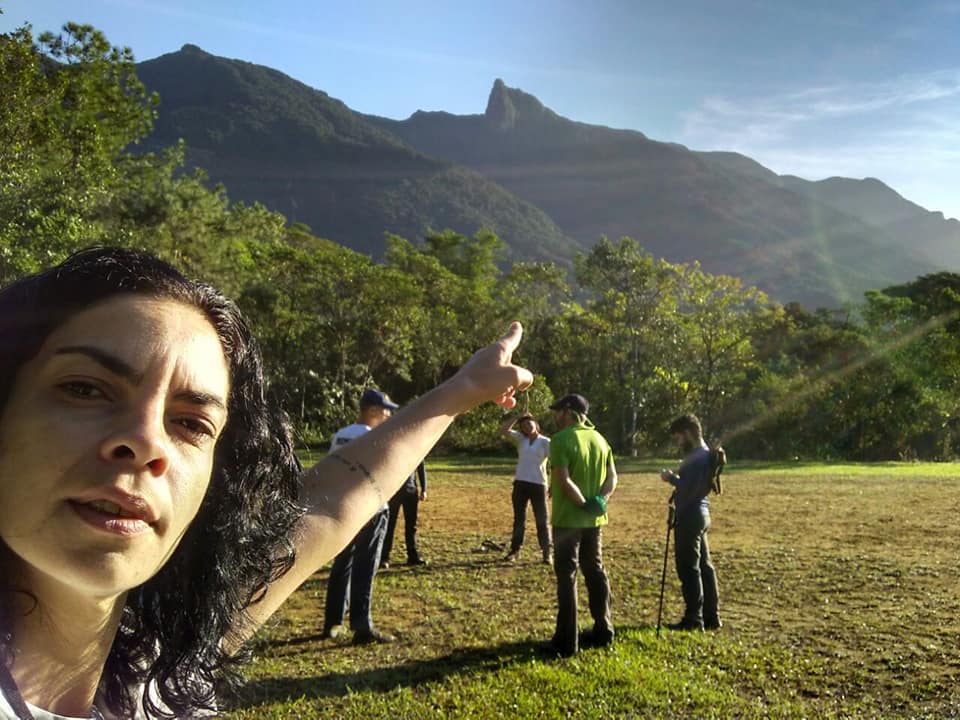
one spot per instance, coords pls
(855, 88)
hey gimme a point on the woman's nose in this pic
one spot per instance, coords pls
(139, 439)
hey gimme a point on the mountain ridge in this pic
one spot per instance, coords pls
(548, 185)
(273, 139)
(722, 208)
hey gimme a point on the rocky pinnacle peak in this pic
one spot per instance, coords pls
(500, 108)
(508, 106)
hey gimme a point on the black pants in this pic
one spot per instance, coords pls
(536, 495)
(698, 578)
(586, 546)
(409, 500)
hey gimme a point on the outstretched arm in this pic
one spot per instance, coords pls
(345, 489)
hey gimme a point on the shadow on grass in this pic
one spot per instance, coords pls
(481, 558)
(410, 674)
(383, 679)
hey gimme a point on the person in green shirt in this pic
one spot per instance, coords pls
(584, 477)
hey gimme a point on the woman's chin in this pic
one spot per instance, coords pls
(90, 572)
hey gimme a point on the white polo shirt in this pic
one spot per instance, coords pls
(345, 435)
(531, 458)
(348, 433)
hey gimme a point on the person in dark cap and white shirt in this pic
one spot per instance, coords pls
(354, 568)
(583, 479)
(530, 482)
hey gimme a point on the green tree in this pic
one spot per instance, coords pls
(634, 331)
(72, 105)
(914, 408)
(719, 319)
(331, 322)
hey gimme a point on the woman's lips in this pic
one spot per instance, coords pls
(110, 517)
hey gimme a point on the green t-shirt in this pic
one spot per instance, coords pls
(585, 453)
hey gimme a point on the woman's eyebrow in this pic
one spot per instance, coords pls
(120, 367)
(198, 397)
(108, 361)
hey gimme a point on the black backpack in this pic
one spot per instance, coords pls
(718, 460)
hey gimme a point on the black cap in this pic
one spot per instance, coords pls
(577, 403)
(375, 398)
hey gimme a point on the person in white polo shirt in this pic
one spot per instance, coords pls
(355, 567)
(530, 482)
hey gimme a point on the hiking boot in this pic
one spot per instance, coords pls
(333, 632)
(591, 638)
(548, 648)
(366, 637)
(686, 625)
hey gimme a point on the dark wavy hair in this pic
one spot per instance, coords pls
(175, 627)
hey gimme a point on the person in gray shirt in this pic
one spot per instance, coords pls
(692, 485)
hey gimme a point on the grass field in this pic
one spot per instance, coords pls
(839, 594)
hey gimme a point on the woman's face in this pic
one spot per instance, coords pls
(107, 444)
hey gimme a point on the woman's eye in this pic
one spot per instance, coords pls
(196, 428)
(81, 389)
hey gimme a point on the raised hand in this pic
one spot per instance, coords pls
(491, 375)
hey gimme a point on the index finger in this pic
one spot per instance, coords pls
(511, 341)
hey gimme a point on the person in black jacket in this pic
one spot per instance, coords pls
(408, 498)
(691, 482)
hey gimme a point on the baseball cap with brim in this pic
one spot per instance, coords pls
(375, 398)
(577, 403)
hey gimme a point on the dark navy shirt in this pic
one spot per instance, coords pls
(692, 480)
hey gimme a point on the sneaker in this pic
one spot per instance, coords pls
(333, 632)
(512, 555)
(366, 637)
(713, 624)
(686, 625)
(384, 565)
(416, 561)
(547, 559)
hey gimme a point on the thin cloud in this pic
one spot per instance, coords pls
(778, 113)
(904, 132)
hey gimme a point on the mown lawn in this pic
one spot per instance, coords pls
(839, 594)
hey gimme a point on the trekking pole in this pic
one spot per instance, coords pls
(666, 551)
